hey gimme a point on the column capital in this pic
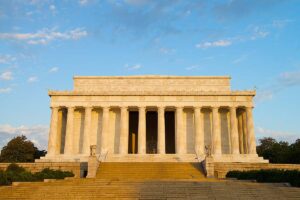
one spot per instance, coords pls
(54, 107)
(215, 108)
(233, 108)
(88, 107)
(161, 107)
(124, 107)
(249, 107)
(105, 107)
(71, 107)
(179, 107)
(142, 107)
(197, 107)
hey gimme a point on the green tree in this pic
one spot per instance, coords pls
(19, 149)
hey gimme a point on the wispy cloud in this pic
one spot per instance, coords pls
(83, 2)
(283, 81)
(217, 43)
(281, 23)
(278, 135)
(45, 36)
(193, 67)
(7, 75)
(5, 90)
(32, 79)
(164, 50)
(52, 8)
(240, 59)
(133, 67)
(258, 32)
(7, 59)
(37, 134)
(53, 69)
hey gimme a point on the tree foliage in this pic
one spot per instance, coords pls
(279, 152)
(19, 149)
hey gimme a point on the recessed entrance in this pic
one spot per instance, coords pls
(151, 132)
(133, 132)
(170, 131)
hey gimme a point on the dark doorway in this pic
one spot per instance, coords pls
(151, 132)
(133, 132)
(170, 131)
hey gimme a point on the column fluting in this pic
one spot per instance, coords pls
(180, 139)
(234, 131)
(70, 131)
(142, 131)
(161, 145)
(105, 130)
(123, 149)
(53, 132)
(87, 130)
(250, 130)
(199, 131)
(216, 131)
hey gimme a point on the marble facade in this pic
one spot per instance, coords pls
(146, 117)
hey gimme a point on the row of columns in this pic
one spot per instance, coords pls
(180, 144)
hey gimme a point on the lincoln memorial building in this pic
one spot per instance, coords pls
(152, 118)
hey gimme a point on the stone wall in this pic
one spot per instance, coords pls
(76, 167)
(220, 169)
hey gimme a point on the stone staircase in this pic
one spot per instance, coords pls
(152, 180)
(150, 171)
(107, 189)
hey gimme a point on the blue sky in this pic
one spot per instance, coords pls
(44, 43)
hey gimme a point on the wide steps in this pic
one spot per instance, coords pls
(150, 170)
(107, 189)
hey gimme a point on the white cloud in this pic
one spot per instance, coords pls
(5, 90)
(83, 2)
(136, 2)
(239, 59)
(38, 134)
(283, 81)
(193, 67)
(258, 32)
(218, 43)
(32, 79)
(133, 67)
(6, 76)
(278, 135)
(45, 36)
(290, 78)
(53, 69)
(52, 8)
(166, 50)
(6, 59)
(281, 23)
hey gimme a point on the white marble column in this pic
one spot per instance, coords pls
(142, 131)
(250, 130)
(53, 132)
(123, 149)
(87, 130)
(180, 139)
(216, 131)
(199, 131)
(105, 130)
(69, 132)
(161, 145)
(234, 131)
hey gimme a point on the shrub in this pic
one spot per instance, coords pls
(15, 168)
(15, 173)
(270, 175)
(52, 174)
(3, 178)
